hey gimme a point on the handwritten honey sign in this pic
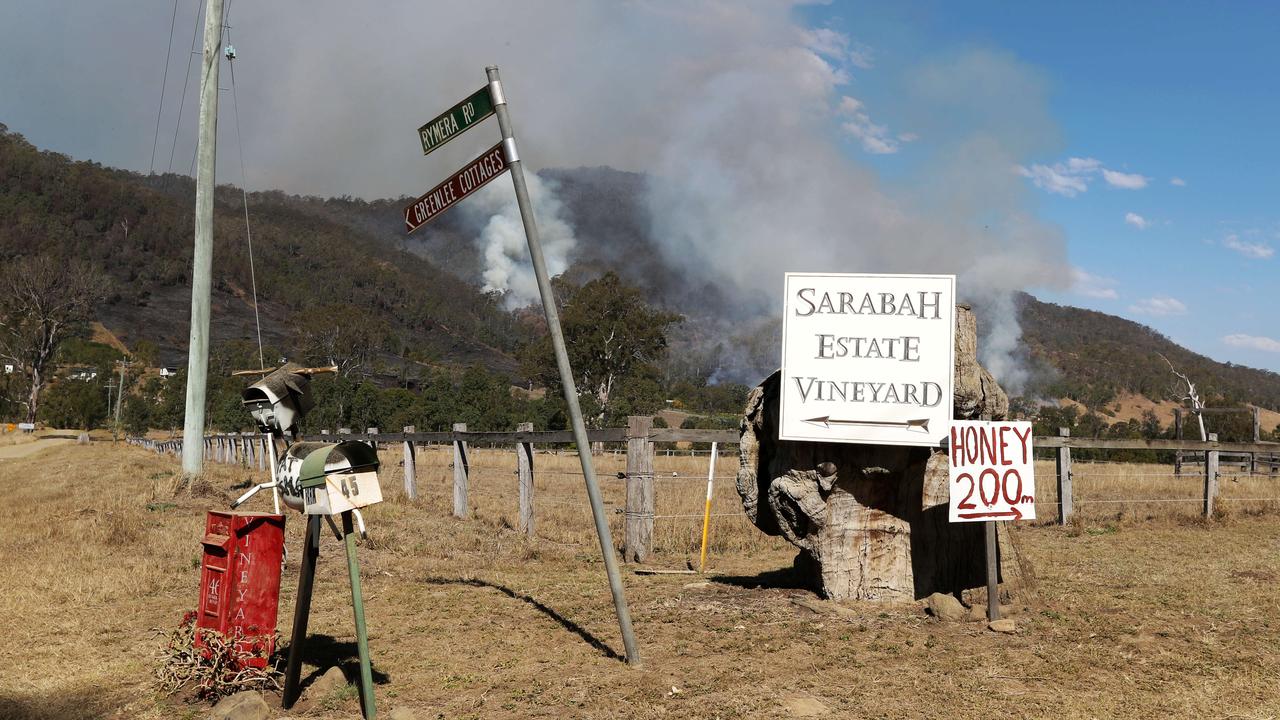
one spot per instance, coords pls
(868, 358)
(992, 471)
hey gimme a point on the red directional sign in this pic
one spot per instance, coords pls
(475, 175)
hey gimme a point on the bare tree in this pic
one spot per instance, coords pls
(1190, 395)
(42, 300)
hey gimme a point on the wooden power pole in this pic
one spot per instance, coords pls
(202, 267)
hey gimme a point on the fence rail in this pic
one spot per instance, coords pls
(640, 438)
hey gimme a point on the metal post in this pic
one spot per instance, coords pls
(202, 270)
(993, 572)
(562, 363)
(120, 394)
(301, 612)
(362, 633)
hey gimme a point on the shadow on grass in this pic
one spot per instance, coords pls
(789, 578)
(561, 620)
(325, 652)
(81, 703)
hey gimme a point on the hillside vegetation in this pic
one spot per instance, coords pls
(338, 281)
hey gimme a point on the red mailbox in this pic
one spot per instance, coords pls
(240, 578)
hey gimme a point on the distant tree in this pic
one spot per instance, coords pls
(614, 339)
(74, 404)
(43, 301)
(145, 353)
(343, 335)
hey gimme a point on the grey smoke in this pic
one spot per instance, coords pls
(751, 126)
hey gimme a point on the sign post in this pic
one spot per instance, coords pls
(992, 479)
(562, 362)
(868, 358)
(487, 101)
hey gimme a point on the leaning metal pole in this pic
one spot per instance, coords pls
(562, 362)
(202, 267)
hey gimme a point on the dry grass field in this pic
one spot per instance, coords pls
(1143, 609)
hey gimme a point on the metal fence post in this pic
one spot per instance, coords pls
(410, 466)
(639, 510)
(1065, 498)
(524, 469)
(1210, 477)
(460, 473)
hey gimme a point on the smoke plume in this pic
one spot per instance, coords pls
(764, 143)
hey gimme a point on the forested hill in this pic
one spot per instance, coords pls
(1091, 357)
(322, 263)
(311, 270)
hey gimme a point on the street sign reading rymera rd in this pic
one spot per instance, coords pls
(452, 122)
(475, 175)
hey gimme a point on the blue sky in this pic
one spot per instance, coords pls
(1169, 211)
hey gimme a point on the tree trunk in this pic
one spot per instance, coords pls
(871, 520)
(33, 399)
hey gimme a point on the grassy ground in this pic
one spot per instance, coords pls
(1147, 612)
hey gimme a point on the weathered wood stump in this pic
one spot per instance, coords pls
(871, 520)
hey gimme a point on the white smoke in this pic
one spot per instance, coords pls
(767, 147)
(507, 268)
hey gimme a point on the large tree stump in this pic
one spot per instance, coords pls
(871, 520)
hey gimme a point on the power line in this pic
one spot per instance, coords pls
(163, 83)
(244, 194)
(195, 33)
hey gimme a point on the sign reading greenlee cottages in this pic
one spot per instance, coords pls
(456, 119)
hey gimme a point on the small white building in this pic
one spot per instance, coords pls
(166, 372)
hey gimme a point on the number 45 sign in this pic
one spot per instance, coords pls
(992, 471)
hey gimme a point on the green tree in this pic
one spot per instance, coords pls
(74, 404)
(43, 301)
(615, 341)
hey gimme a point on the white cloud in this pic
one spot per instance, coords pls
(1069, 178)
(875, 139)
(1253, 342)
(1093, 286)
(835, 45)
(1137, 221)
(1072, 177)
(1255, 250)
(1159, 306)
(1177, 181)
(1124, 181)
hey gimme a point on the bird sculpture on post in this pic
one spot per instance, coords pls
(320, 480)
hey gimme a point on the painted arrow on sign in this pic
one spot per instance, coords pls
(1013, 512)
(827, 421)
(475, 175)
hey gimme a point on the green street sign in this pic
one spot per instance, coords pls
(455, 120)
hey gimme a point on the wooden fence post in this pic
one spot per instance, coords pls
(1257, 437)
(249, 455)
(639, 510)
(1065, 498)
(262, 452)
(410, 467)
(1210, 477)
(1177, 434)
(524, 469)
(460, 473)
